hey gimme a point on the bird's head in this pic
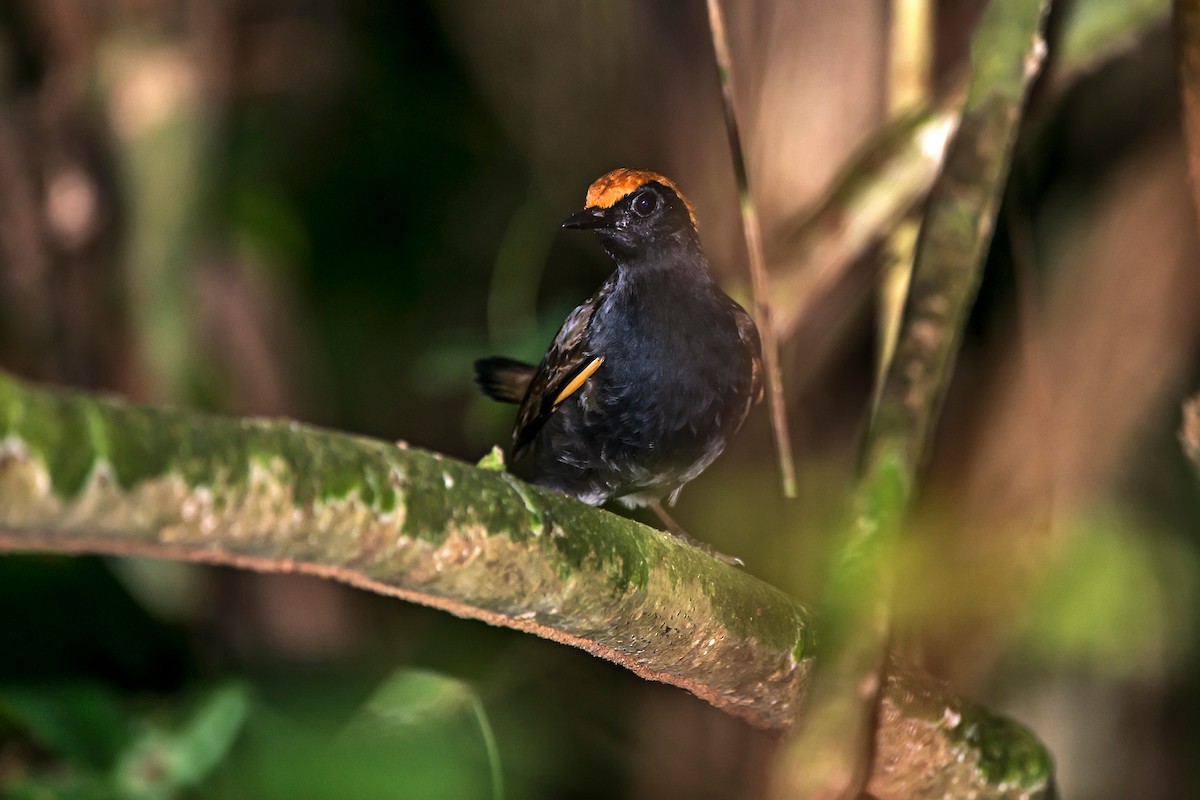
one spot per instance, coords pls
(635, 212)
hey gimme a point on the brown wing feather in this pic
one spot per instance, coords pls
(749, 333)
(564, 360)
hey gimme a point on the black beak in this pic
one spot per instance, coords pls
(589, 218)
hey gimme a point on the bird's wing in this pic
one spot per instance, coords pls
(567, 365)
(749, 334)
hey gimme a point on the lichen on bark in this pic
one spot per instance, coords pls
(80, 473)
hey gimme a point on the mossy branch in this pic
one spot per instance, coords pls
(79, 473)
(831, 756)
(892, 172)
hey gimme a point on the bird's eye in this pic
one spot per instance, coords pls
(644, 204)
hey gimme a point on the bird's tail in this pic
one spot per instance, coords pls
(503, 379)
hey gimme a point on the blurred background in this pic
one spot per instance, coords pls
(326, 209)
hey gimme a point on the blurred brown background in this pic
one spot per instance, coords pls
(327, 210)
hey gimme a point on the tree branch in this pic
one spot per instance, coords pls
(85, 474)
(892, 172)
(831, 755)
(889, 175)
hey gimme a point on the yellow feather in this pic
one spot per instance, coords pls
(572, 387)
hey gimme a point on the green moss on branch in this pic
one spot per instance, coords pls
(79, 473)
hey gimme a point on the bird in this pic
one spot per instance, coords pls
(649, 378)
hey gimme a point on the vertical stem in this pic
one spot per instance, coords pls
(758, 269)
(832, 754)
(493, 750)
(910, 56)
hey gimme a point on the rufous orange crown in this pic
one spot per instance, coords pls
(608, 189)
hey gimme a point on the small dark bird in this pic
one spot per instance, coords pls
(649, 378)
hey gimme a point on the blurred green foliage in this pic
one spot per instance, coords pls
(102, 750)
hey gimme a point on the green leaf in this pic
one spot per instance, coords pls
(494, 460)
(159, 762)
(80, 722)
(410, 697)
